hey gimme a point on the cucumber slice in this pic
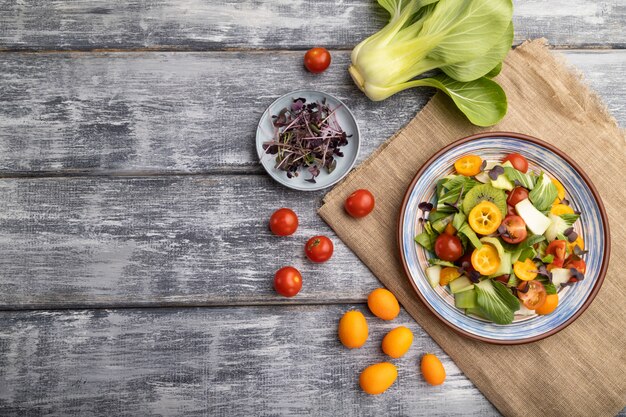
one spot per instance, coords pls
(460, 284)
(503, 183)
(465, 299)
(534, 219)
(433, 273)
(505, 265)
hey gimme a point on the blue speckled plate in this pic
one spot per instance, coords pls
(592, 226)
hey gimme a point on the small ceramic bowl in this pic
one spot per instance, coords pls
(345, 118)
(592, 226)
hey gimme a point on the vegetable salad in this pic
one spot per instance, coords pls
(503, 237)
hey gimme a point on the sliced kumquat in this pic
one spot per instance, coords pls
(485, 259)
(447, 275)
(468, 165)
(485, 218)
(526, 271)
(559, 209)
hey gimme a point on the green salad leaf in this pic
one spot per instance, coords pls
(525, 180)
(441, 262)
(426, 240)
(570, 219)
(450, 190)
(496, 301)
(544, 193)
(483, 64)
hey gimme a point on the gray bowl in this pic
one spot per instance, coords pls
(345, 118)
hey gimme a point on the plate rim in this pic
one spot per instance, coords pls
(605, 226)
(304, 91)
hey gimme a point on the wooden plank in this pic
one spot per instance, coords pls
(213, 362)
(162, 241)
(189, 112)
(284, 24)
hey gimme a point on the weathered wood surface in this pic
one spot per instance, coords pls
(247, 361)
(189, 112)
(155, 241)
(283, 24)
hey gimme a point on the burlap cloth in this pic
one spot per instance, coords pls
(580, 371)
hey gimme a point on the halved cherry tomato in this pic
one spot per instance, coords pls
(559, 209)
(447, 275)
(468, 165)
(450, 230)
(532, 294)
(518, 161)
(448, 248)
(503, 279)
(466, 258)
(288, 281)
(556, 263)
(485, 259)
(525, 270)
(317, 60)
(552, 301)
(515, 229)
(576, 263)
(319, 249)
(558, 248)
(360, 203)
(284, 222)
(510, 211)
(485, 218)
(518, 194)
(560, 190)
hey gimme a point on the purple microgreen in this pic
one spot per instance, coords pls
(474, 276)
(501, 229)
(306, 135)
(495, 172)
(568, 231)
(565, 201)
(425, 206)
(567, 284)
(577, 212)
(578, 251)
(576, 274)
(571, 237)
(517, 183)
(524, 289)
(542, 270)
(483, 166)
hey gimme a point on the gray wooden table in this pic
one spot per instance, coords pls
(135, 262)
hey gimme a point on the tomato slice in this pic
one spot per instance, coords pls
(485, 218)
(518, 194)
(557, 248)
(577, 264)
(532, 294)
(518, 161)
(515, 229)
(468, 165)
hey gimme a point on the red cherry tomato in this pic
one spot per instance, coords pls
(557, 248)
(448, 248)
(283, 222)
(288, 281)
(316, 60)
(532, 294)
(518, 194)
(360, 203)
(578, 264)
(319, 249)
(518, 161)
(467, 260)
(515, 229)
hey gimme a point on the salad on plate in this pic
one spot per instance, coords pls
(502, 237)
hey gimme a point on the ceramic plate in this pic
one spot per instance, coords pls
(592, 226)
(344, 117)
